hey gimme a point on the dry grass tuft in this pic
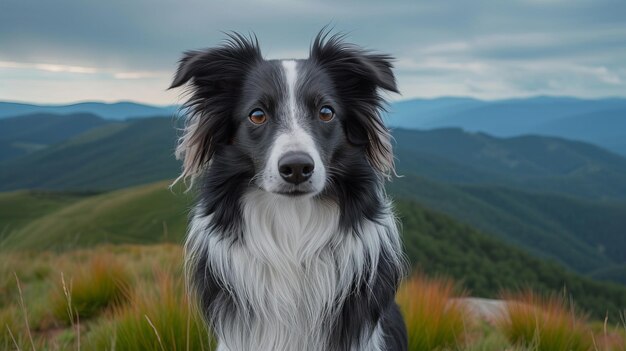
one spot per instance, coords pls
(434, 319)
(86, 292)
(157, 317)
(544, 323)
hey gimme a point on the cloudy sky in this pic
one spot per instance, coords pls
(74, 50)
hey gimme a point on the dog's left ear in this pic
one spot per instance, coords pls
(214, 78)
(359, 76)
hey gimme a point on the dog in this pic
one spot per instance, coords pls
(293, 244)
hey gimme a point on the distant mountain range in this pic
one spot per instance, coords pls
(535, 163)
(117, 111)
(115, 155)
(28, 133)
(602, 121)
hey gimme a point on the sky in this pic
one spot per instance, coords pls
(76, 50)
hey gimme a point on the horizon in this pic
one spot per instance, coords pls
(115, 51)
(514, 98)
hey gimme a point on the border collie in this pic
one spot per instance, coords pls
(293, 244)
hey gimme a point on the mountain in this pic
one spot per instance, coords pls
(606, 128)
(28, 133)
(434, 242)
(581, 234)
(532, 163)
(117, 111)
(419, 113)
(108, 156)
(601, 121)
(113, 156)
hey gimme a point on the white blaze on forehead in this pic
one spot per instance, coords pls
(291, 75)
(293, 138)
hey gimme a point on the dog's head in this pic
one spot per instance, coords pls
(286, 120)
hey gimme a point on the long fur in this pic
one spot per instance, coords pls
(276, 272)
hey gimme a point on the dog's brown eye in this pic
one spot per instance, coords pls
(327, 113)
(257, 116)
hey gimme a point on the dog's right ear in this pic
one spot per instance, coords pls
(214, 78)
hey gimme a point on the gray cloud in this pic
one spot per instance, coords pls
(481, 48)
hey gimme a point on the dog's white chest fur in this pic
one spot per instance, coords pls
(289, 272)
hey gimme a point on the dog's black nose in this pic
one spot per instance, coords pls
(296, 167)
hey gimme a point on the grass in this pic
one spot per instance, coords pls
(151, 311)
(123, 297)
(435, 321)
(157, 318)
(545, 323)
(138, 215)
(103, 283)
(19, 208)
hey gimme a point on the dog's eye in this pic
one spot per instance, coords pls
(327, 113)
(257, 116)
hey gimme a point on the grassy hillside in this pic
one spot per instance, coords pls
(111, 157)
(19, 208)
(435, 242)
(144, 214)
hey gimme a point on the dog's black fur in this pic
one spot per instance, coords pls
(225, 84)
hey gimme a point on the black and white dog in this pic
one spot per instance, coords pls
(293, 244)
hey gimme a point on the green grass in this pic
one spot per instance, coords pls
(144, 214)
(18, 208)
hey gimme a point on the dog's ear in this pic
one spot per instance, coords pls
(214, 78)
(359, 76)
